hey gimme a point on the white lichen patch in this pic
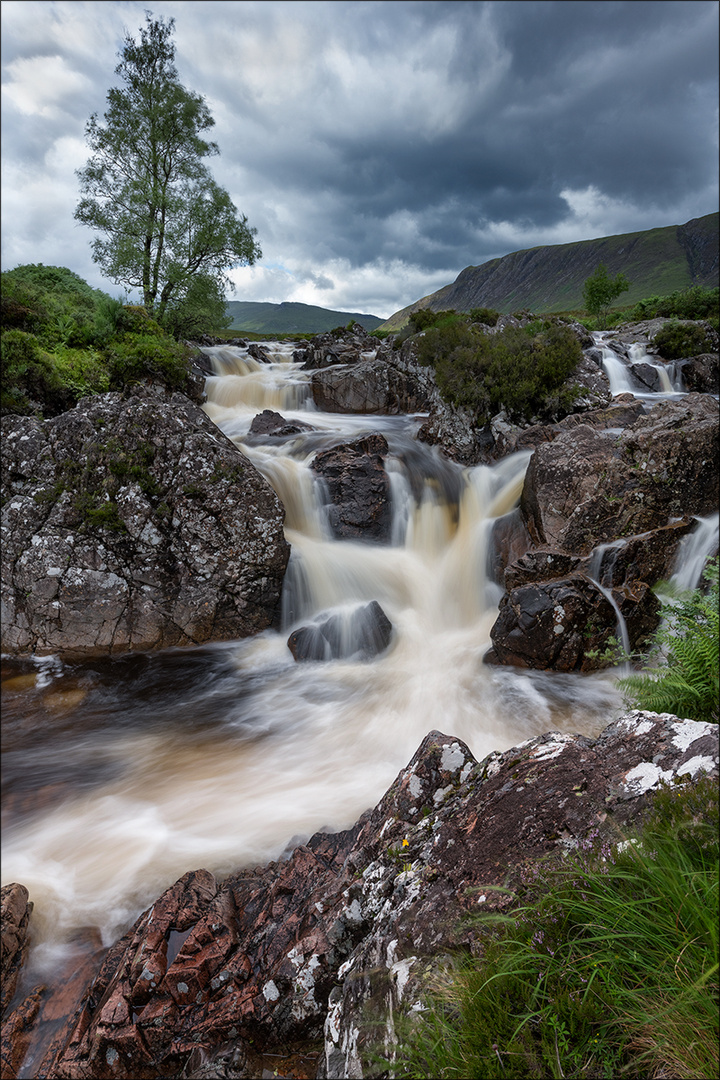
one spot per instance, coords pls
(553, 748)
(687, 731)
(452, 758)
(644, 777)
(270, 991)
(415, 786)
(400, 973)
(697, 764)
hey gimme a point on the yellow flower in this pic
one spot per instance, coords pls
(406, 842)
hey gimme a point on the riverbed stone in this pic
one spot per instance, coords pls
(358, 488)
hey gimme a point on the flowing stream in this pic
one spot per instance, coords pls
(120, 775)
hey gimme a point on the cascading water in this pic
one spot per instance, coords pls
(122, 775)
(624, 381)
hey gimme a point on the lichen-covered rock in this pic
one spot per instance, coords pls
(584, 488)
(337, 939)
(132, 522)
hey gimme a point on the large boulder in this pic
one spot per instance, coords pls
(586, 488)
(385, 385)
(132, 522)
(701, 373)
(358, 488)
(566, 624)
(318, 953)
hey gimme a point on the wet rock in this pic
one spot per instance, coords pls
(348, 346)
(649, 557)
(358, 488)
(567, 624)
(583, 489)
(647, 376)
(701, 373)
(132, 522)
(535, 566)
(274, 423)
(509, 438)
(259, 353)
(362, 633)
(330, 945)
(14, 918)
(380, 386)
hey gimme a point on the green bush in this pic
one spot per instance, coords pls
(676, 340)
(608, 968)
(685, 652)
(523, 373)
(485, 315)
(29, 378)
(693, 303)
(148, 356)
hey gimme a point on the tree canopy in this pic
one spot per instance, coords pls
(599, 291)
(166, 227)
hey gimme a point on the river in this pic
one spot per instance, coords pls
(120, 775)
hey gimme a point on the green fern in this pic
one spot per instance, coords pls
(686, 649)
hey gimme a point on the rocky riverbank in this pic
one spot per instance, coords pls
(132, 523)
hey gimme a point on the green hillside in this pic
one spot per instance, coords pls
(547, 279)
(291, 318)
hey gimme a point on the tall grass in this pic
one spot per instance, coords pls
(608, 968)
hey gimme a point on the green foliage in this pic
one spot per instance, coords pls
(425, 317)
(28, 375)
(201, 310)
(608, 968)
(685, 650)
(160, 217)
(599, 291)
(676, 340)
(62, 340)
(693, 303)
(488, 316)
(523, 373)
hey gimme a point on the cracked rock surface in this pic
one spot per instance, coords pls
(132, 522)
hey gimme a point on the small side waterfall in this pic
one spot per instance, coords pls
(694, 552)
(599, 570)
(623, 380)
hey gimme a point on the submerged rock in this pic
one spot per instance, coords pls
(363, 633)
(132, 522)
(321, 952)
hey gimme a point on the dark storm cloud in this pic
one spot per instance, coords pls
(380, 147)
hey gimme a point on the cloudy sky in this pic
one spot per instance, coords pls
(380, 147)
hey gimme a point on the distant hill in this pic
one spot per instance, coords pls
(547, 279)
(292, 318)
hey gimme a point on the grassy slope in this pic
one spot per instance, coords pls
(292, 318)
(547, 279)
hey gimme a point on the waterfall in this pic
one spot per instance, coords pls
(694, 551)
(623, 381)
(217, 756)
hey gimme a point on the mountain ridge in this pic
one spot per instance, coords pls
(550, 277)
(291, 317)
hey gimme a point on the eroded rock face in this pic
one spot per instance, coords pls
(701, 373)
(383, 385)
(338, 937)
(346, 347)
(584, 488)
(134, 523)
(358, 488)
